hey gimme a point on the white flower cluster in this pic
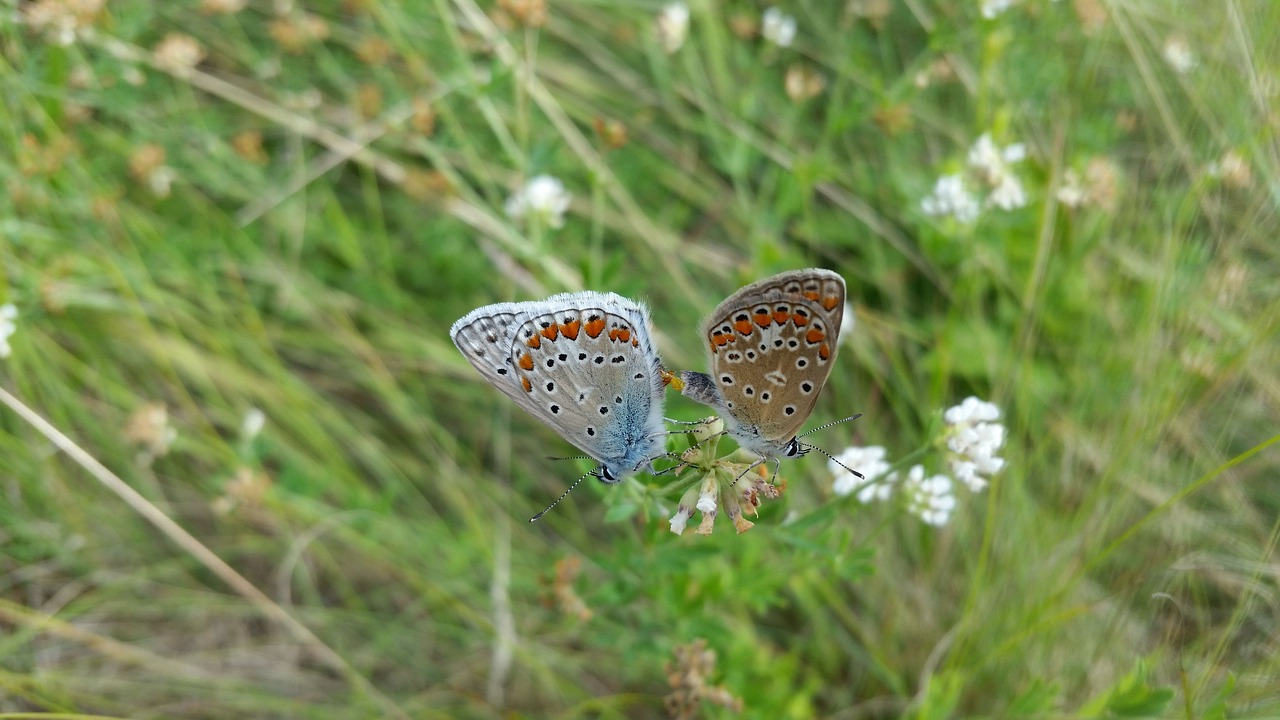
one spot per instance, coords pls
(252, 424)
(929, 499)
(1178, 53)
(62, 21)
(992, 8)
(777, 27)
(8, 326)
(542, 196)
(951, 198)
(673, 26)
(974, 437)
(990, 164)
(871, 463)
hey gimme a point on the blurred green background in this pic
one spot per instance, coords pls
(217, 208)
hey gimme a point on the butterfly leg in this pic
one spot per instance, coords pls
(689, 422)
(750, 467)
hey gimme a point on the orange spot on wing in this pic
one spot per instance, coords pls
(594, 328)
(534, 342)
(781, 316)
(800, 320)
(811, 295)
(829, 302)
(635, 342)
(551, 332)
(824, 352)
(570, 329)
(763, 319)
(528, 386)
(526, 362)
(719, 339)
(814, 335)
(743, 326)
(624, 335)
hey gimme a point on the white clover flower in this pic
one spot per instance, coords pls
(984, 156)
(62, 21)
(673, 26)
(707, 500)
(253, 422)
(951, 197)
(992, 8)
(149, 427)
(973, 438)
(1009, 194)
(871, 463)
(1178, 53)
(8, 326)
(778, 27)
(930, 499)
(971, 409)
(543, 196)
(1072, 192)
(680, 519)
(1232, 170)
(1017, 152)
(992, 162)
(160, 181)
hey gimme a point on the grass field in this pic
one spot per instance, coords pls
(245, 473)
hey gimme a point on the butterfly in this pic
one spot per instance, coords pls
(771, 345)
(584, 364)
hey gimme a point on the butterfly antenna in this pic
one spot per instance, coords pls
(833, 422)
(832, 458)
(570, 457)
(547, 509)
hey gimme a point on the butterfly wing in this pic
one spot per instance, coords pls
(772, 346)
(587, 364)
(484, 337)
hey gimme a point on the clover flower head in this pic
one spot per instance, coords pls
(878, 482)
(992, 8)
(931, 499)
(777, 27)
(252, 424)
(1178, 53)
(973, 437)
(950, 197)
(673, 26)
(992, 164)
(543, 196)
(731, 485)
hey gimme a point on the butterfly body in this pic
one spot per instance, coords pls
(584, 364)
(771, 346)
